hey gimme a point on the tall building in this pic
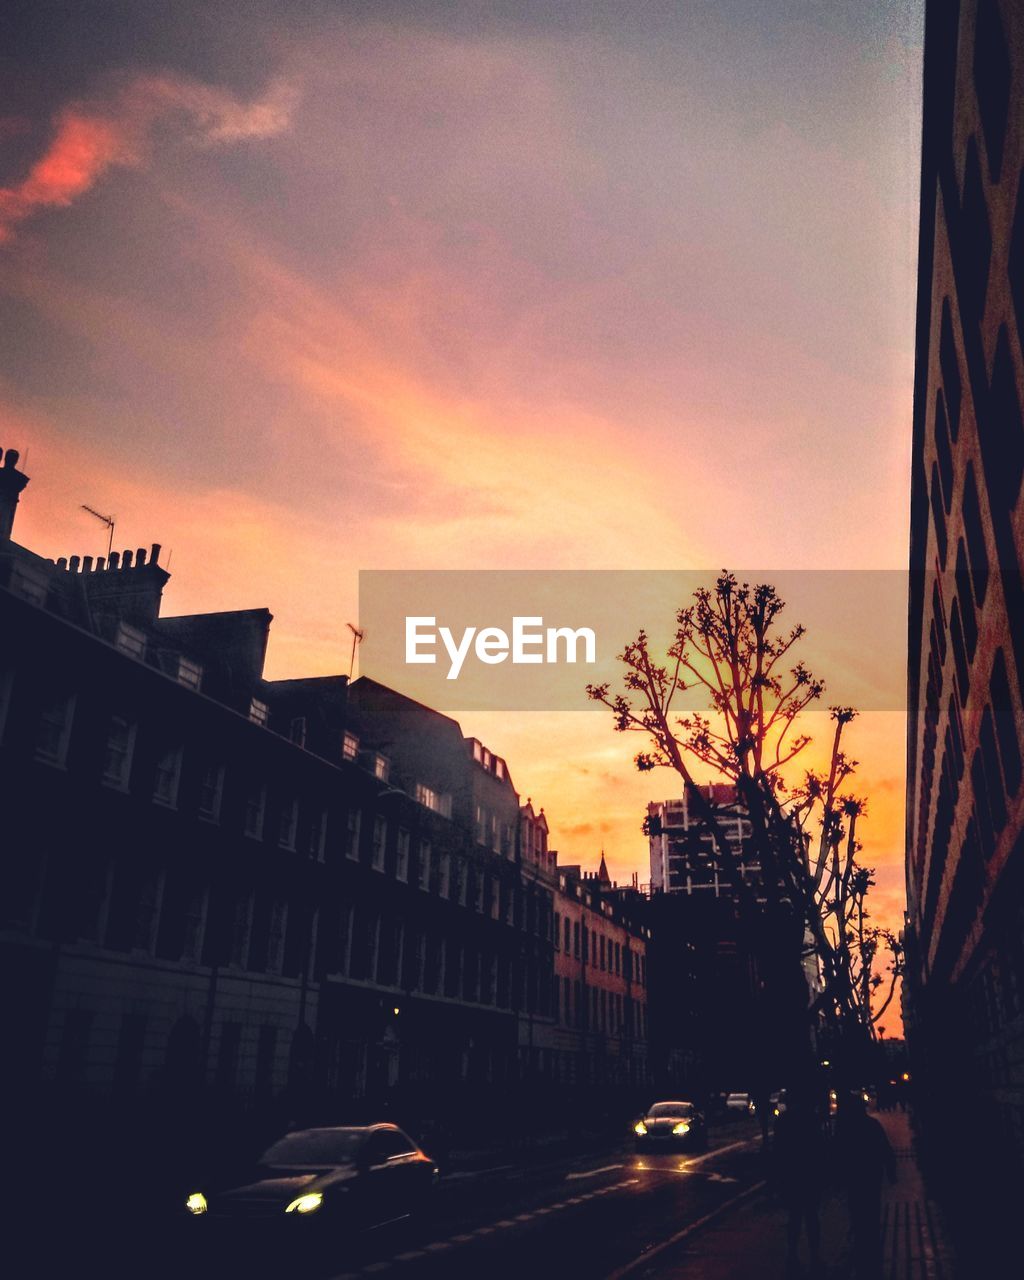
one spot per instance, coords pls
(964, 990)
(683, 850)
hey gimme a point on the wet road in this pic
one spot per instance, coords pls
(597, 1216)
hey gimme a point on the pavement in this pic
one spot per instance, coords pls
(746, 1241)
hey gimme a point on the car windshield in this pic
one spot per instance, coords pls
(671, 1109)
(314, 1147)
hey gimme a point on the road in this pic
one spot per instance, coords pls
(603, 1215)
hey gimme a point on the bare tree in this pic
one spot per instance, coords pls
(729, 645)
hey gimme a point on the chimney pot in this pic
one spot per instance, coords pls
(140, 556)
(100, 564)
(11, 458)
(62, 563)
(126, 560)
(87, 564)
(115, 560)
(154, 553)
(74, 563)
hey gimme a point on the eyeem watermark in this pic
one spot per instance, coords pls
(530, 642)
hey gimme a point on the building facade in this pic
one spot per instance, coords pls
(225, 895)
(964, 987)
(682, 850)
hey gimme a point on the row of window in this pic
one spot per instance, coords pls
(597, 950)
(596, 1009)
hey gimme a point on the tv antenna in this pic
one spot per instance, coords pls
(108, 521)
(357, 635)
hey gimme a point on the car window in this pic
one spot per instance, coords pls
(671, 1109)
(390, 1142)
(314, 1147)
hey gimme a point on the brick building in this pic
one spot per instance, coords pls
(964, 990)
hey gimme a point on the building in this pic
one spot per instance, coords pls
(964, 989)
(683, 850)
(226, 897)
(601, 978)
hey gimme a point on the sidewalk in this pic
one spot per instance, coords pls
(748, 1241)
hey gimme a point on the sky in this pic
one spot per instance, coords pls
(301, 290)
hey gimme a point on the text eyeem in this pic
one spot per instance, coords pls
(529, 642)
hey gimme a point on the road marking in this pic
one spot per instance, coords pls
(373, 1268)
(462, 1239)
(722, 1209)
(476, 1173)
(436, 1246)
(592, 1173)
(411, 1256)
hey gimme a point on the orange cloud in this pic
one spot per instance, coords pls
(90, 138)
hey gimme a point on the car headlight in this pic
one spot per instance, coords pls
(306, 1204)
(640, 1129)
(196, 1203)
(681, 1128)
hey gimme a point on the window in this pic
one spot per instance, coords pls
(478, 891)
(379, 845)
(576, 939)
(130, 640)
(255, 803)
(425, 858)
(317, 834)
(495, 900)
(117, 754)
(349, 746)
(241, 926)
(481, 825)
(444, 875)
(259, 712)
(437, 801)
(402, 856)
(211, 788)
(297, 731)
(276, 935)
(565, 944)
(460, 883)
(54, 730)
(558, 934)
(381, 767)
(287, 824)
(499, 767)
(166, 778)
(353, 822)
(190, 673)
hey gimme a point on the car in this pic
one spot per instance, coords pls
(739, 1102)
(671, 1124)
(778, 1103)
(352, 1177)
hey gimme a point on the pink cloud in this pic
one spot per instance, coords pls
(90, 138)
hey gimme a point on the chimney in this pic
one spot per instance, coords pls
(12, 481)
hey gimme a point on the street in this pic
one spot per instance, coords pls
(597, 1215)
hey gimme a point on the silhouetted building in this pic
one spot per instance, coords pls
(223, 894)
(964, 991)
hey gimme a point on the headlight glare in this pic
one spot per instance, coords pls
(640, 1129)
(306, 1204)
(682, 1127)
(196, 1203)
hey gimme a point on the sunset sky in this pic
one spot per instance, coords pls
(298, 290)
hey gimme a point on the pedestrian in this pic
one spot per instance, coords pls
(865, 1156)
(799, 1170)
